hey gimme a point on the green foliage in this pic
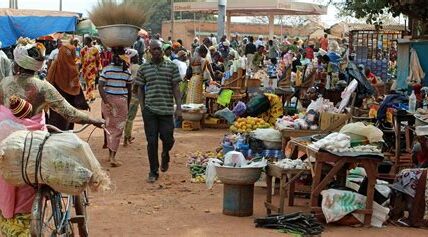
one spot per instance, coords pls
(373, 9)
(157, 11)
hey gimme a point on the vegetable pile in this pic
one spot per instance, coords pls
(197, 163)
(294, 223)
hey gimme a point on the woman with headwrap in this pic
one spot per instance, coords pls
(64, 76)
(91, 65)
(115, 91)
(199, 65)
(35, 95)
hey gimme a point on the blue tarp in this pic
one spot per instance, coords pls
(33, 24)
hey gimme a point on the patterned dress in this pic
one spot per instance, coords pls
(91, 65)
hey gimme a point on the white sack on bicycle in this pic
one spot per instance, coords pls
(67, 165)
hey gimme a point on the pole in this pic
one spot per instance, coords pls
(60, 5)
(221, 18)
(171, 31)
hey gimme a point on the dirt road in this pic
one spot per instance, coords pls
(175, 207)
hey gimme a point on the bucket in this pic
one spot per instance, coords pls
(238, 199)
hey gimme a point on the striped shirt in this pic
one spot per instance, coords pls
(158, 80)
(115, 80)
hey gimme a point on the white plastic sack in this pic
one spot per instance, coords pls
(8, 126)
(346, 94)
(372, 133)
(234, 159)
(258, 164)
(338, 203)
(67, 165)
(267, 134)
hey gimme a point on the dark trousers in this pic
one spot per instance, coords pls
(157, 126)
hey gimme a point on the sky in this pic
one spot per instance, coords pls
(83, 6)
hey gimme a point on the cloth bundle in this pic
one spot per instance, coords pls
(62, 161)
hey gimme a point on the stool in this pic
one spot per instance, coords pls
(274, 171)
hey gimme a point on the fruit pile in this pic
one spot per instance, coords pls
(248, 124)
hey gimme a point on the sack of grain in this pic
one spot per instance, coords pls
(67, 163)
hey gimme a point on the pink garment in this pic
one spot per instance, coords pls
(14, 200)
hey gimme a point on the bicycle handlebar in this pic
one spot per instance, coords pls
(84, 127)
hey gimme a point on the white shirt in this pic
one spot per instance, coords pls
(5, 66)
(214, 40)
(182, 67)
(258, 43)
(54, 54)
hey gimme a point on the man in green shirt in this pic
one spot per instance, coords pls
(158, 82)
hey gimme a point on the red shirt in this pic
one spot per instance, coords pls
(309, 53)
(324, 43)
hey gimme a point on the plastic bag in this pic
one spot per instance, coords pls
(226, 114)
(234, 159)
(372, 133)
(267, 134)
(258, 164)
(210, 172)
(316, 105)
(346, 94)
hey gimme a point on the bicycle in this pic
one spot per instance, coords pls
(52, 212)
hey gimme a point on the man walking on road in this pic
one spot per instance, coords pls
(158, 82)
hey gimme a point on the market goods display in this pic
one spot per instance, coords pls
(303, 122)
(65, 162)
(293, 164)
(293, 223)
(248, 124)
(340, 142)
(197, 163)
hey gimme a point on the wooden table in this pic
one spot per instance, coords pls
(340, 165)
(287, 178)
(211, 100)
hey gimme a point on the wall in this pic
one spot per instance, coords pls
(188, 29)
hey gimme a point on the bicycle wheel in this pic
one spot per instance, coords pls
(48, 216)
(80, 204)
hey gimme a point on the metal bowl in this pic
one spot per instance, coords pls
(240, 176)
(120, 35)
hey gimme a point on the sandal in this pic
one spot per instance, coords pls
(115, 163)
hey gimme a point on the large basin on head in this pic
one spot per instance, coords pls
(239, 176)
(120, 35)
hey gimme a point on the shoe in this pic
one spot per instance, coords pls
(115, 163)
(152, 178)
(165, 162)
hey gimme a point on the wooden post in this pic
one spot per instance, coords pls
(271, 26)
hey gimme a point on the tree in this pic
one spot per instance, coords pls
(372, 10)
(158, 11)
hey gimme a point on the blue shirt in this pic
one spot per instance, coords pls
(116, 80)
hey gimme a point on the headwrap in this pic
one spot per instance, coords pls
(131, 53)
(63, 72)
(181, 53)
(20, 108)
(166, 46)
(20, 54)
(176, 45)
(226, 43)
(212, 48)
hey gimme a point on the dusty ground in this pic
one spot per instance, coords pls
(175, 207)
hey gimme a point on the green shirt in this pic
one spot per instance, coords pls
(158, 80)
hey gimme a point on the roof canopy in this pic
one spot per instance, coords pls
(253, 7)
(15, 23)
